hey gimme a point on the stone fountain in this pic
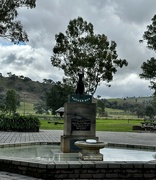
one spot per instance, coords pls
(90, 150)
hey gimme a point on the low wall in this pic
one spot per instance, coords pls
(81, 169)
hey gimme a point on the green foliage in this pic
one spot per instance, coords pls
(149, 111)
(79, 49)
(149, 72)
(40, 108)
(149, 67)
(11, 101)
(153, 103)
(101, 107)
(123, 105)
(19, 123)
(140, 110)
(150, 34)
(11, 29)
(58, 96)
(2, 101)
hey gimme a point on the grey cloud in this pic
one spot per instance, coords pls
(21, 61)
(11, 58)
(130, 89)
(135, 11)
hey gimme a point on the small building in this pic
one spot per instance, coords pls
(60, 111)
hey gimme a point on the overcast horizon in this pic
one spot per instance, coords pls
(122, 21)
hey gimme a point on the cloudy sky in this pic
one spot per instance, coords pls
(123, 21)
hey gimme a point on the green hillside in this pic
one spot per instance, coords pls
(132, 99)
(28, 91)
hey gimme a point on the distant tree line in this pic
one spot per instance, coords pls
(145, 108)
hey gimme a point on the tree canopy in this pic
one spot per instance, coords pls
(149, 72)
(79, 49)
(149, 67)
(149, 111)
(57, 96)
(11, 101)
(150, 35)
(11, 29)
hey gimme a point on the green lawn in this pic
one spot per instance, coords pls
(117, 125)
(46, 125)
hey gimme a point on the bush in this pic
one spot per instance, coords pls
(19, 123)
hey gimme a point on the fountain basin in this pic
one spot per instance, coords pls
(50, 168)
(50, 152)
(90, 151)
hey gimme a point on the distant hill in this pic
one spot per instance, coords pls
(33, 91)
(28, 90)
(132, 99)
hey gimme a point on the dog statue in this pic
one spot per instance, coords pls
(80, 84)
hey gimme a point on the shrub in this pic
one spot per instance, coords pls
(19, 123)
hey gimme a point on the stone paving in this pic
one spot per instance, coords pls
(142, 138)
(138, 138)
(12, 176)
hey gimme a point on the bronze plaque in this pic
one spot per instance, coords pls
(80, 124)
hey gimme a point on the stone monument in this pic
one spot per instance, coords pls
(79, 119)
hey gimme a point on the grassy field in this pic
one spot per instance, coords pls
(120, 122)
(117, 125)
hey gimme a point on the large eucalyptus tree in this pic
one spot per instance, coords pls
(149, 67)
(79, 49)
(11, 29)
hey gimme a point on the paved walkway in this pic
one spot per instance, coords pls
(145, 139)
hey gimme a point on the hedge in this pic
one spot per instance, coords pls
(19, 123)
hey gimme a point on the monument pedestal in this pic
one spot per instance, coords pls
(79, 125)
(68, 143)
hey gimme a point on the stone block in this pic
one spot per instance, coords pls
(51, 165)
(90, 156)
(101, 165)
(74, 164)
(87, 164)
(79, 125)
(114, 165)
(149, 166)
(79, 119)
(61, 165)
(33, 164)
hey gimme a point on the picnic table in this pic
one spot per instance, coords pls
(148, 124)
(56, 120)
